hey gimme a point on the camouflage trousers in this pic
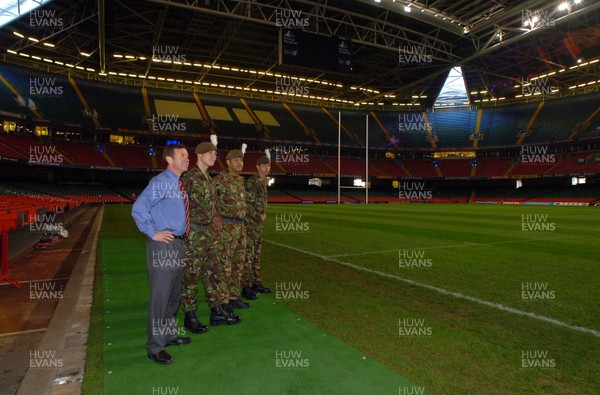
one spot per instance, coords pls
(254, 237)
(233, 240)
(202, 259)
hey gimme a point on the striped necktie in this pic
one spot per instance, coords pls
(186, 203)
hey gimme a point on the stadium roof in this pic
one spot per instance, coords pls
(401, 51)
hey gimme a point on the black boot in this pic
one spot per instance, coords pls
(218, 316)
(248, 294)
(228, 308)
(238, 304)
(258, 287)
(192, 324)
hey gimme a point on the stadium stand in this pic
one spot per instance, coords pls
(492, 167)
(392, 168)
(529, 168)
(421, 168)
(129, 156)
(453, 127)
(501, 125)
(72, 192)
(220, 109)
(578, 163)
(303, 163)
(52, 94)
(8, 150)
(557, 118)
(283, 127)
(21, 204)
(407, 127)
(118, 106)
(173, 111)
(374, 196)
(278, 196)
(317, 195)
(85, 153)
(325, 127)
(20, 144)
(8, 100)
(456, 168)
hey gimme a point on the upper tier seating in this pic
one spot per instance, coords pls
(501, 125)
(52, 94)
(557, 118)
(118, 106)
(283, 126)
(453, 127)
(407, 127)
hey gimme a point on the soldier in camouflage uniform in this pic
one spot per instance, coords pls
(231, 207)
(203, 250)
(256, 201)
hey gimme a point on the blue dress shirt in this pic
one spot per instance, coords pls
(160, 206)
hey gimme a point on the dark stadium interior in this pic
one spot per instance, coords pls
(91, 91)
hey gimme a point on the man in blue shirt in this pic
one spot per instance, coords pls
(161, 213)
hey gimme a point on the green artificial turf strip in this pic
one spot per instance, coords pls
(472, 348)
(227, 359)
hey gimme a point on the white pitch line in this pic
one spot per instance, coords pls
(466, 244)
(457, 295)
(398, 249)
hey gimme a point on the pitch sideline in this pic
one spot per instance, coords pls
(457, 295)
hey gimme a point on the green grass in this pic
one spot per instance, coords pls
(475, 250)
(226, 360)
(478, 251)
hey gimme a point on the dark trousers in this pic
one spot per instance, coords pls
(165, 267)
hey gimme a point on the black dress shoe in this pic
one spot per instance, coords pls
(218, 316)
(238, 304)
(248, 294)
(161, 357)
(193, 324)
(258, 287)
(178, 341)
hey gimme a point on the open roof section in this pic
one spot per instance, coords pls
(230, 47)
(454, 91)
(11, 10)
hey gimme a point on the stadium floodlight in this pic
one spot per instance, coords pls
(315, 181)
(359, 183)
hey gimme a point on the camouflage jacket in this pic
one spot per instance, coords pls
(256, 197)
(201, 192)
(230, 195)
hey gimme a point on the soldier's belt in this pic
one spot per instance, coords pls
(234, 220)
(198, 225)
